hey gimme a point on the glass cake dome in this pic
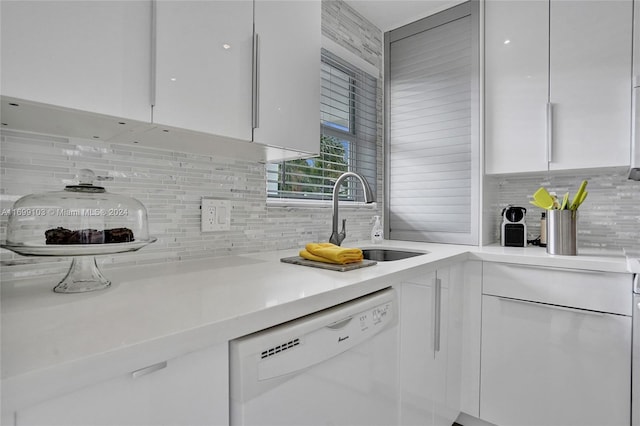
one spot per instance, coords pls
(81, 220)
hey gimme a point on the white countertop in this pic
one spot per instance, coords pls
(155, 313)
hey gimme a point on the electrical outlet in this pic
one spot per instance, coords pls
(215, 215)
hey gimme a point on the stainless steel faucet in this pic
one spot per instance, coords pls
(369, 197)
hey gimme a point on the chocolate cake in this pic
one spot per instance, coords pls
(61, 235)
(58, 235)
(86, 236)
(118, 235)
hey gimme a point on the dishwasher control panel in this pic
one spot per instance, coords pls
(376, 316)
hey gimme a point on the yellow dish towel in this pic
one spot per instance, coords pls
(331, 253)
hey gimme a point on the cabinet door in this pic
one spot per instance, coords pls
(574, 56)
(590, 87)
(431, 347)
(288, 96)
(417, 352)
(203, 66)
(516, 85)
(636, 42)
(190, 390)
(549, 365)
(448, 354)
(86, 55)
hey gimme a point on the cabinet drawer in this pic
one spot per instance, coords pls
(597, 291)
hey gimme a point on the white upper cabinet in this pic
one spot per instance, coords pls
(590, 86)
(240, 69)
(288, 71)
(516, 85)
(230, 69)
(636, 42)
(88, 55)
(557, 85)
(203, 66)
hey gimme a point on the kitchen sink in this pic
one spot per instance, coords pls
(386, 255)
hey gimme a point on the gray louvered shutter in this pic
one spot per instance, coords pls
(432, 160)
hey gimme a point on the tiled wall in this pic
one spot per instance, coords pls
(171, 183)
(609, 217)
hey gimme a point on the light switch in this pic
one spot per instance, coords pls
(221, 214)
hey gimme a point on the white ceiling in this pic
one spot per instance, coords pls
(391, 14)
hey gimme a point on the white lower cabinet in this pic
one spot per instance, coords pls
(188, 390)
(556, 347)
(431, 347)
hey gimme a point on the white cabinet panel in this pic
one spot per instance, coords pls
(545, 365)
(596, 291)
(189, 390)
(584, 48)
(556, 346)
(87, 55)
(431, 348)
(207, 65)
(448, 357)
(417, 365)
(203, 66)
(636, 42)
(289, 74)
(516, 85)
(590, 87)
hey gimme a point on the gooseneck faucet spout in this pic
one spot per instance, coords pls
(369, 197)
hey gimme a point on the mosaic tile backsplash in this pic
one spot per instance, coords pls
(170, 185)
(609, 218)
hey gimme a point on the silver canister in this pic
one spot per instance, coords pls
(562, 232)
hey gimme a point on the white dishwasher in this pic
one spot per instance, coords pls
(338, 366)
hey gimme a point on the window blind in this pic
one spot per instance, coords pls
(348, 120)
(430, 172)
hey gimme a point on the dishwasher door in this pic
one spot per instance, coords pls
(335, 367)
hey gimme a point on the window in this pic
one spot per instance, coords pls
(348, 137)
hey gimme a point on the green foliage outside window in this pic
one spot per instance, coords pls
(317, 175)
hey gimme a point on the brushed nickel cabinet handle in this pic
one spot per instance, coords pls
(437, 315)
(255, 86)
(148, 370)
(549, 132)
(543, 305)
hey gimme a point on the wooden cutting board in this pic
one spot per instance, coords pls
(297, 260)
